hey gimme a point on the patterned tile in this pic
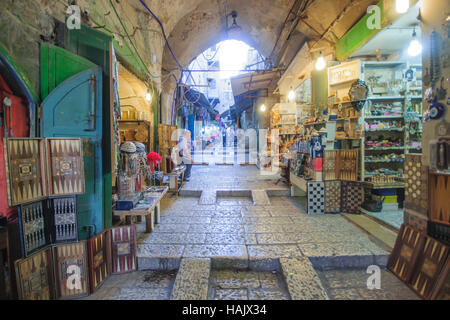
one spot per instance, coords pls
(351, 197)
(316, 194)
(332, 196)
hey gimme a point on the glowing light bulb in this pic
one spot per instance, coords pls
(291, 96)
(321, 63)
(148, 96)
(402, 6)
(415, 47)
(262, 108)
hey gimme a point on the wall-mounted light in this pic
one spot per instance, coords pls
(262, 108)
(402, 6)
(415, 47)
(148, 96)
(320, 63)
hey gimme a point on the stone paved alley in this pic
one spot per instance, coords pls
(228, 245)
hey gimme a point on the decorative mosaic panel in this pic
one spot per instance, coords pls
(439, 198)
(65, 164)
(330, 164)
(407, 247)
(24, 166)
(123, 249)
(33, 229)
(430, 262)
(332, 196)
(441, 290)
(416, 184)
(63, 213)
(351, 197)
(71, 270)
(316, 195)
(348, 165)
(98, 260)
(34, 276)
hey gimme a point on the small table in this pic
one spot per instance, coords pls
(174, 187)
(150, 209)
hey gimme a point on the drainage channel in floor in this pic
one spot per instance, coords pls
(231, 284)
(352, 284)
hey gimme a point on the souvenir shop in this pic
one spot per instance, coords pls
(76, 179)
(351, 130)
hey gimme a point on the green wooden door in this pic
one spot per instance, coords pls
(58, 65)
(96, 47)
(67, 111)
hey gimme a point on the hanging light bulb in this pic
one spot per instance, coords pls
(321, 63)
(148, 96)
(263, 108)
(291, 95)
(415, 47)
(402, 6)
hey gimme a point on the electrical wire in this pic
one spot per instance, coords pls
(163, 32)
(131, 41)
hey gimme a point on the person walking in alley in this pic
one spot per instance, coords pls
(184, 145)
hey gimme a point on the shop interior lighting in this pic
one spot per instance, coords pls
(263, 108)
(321, 63)
(402, 6)
(415, 47)
(291, 95)
(148, 96)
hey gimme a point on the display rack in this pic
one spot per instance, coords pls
(133, 125)
(392, 108)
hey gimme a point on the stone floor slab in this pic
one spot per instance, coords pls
(302, 280)
(192, 280)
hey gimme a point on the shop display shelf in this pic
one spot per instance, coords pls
(378, 98)
(386, 129)
(383, 117)
(385, 148)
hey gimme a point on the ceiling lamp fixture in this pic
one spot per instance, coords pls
(234, 29)
(415, 47)
(402, 6)
(263, 108)
(321, 63)
(291, 95)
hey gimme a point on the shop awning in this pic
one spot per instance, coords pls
(198, 99)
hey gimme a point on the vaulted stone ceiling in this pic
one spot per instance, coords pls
(192, 26)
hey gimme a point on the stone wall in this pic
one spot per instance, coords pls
(25, 23)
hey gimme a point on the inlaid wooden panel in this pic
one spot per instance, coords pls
(98, 256)
(65, 166)
(62, 213)
(34, 230)
(123, 249)
(351, 197)
(71, 270)
(407, 248)
(332, 196)
(441, 290)
(431, 260)
(348, 165)
(439, 198)
(416, 184)
(330, 168)
(34, 276)
(25, 170)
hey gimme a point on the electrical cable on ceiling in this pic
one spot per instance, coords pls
(163, 32)
(131, 41)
